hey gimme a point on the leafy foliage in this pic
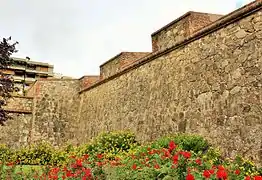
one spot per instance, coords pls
(186, 142)
(6, 82)
(111, 143)
(122, 158)
(37, 154)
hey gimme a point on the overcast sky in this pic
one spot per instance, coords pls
(77, 36)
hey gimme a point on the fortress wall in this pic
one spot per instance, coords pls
(209, 84)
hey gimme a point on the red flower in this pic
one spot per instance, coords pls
(190, 177)
(114, 163)
(198, 161)
(99, 156)
(99, 164)
(258, 178)
(87, 172)
(208, 173)
(220, 167)
(65, 169)
(79, 163)
(54, 170)
(212, 171)
(10, 164)
(133, 156)
(166, 153)
(151, 152)
(86, 156)
(172, 146)
(248, 178)
(222, 174)
(186, 154)
(134, 167)
(175, 159)
(188, 170)
(69, 174)
(156, 166)
(237, 172)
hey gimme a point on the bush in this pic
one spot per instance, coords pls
(117, 155)
(111, 143)
(59, 158)
(37, 154)
(6, 153)
(43, 153)
(185, 141)
(159, 161)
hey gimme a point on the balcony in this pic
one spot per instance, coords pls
(30, 80)
(18, 78)
(21, 78)
(17, 67)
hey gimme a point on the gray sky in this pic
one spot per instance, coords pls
(76, 36)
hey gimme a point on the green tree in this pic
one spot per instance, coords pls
(6, 81)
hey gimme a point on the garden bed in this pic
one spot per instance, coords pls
(118, 156)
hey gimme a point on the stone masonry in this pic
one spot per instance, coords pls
(204, 76)
(16, 132)
(181, 28)
(120, 61)
(56, 104)
(210, 85)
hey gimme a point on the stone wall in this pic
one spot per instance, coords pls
(16, 131)
(56, 108)
(210, 84)
(181, 28)
(87, 81)
(119, 62)
(20, 104)
(208, 81)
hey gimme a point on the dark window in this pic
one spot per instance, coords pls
(43, 76)
(31, 67)
(31, 75)
(19, 73)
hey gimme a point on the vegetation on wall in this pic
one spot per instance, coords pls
(6, 81)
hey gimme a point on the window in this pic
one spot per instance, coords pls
(30, 75)
(43, 76)
(31, 67)
(19, 73)
(44, 69)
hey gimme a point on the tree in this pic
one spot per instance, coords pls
(6, 81)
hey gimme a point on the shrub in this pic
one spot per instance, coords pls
(6, 153)
(172, 162)
(212, 154)
(59, 158)
(107, 158)
(111, 143)
(37, 154)
(185, 141)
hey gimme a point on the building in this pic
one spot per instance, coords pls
(30, 71)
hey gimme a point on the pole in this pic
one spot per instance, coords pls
(27, 59)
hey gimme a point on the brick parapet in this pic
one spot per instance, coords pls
(212, 27)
